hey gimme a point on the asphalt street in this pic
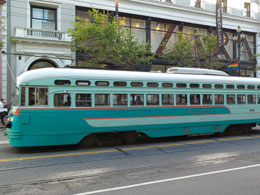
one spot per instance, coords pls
(197, 165)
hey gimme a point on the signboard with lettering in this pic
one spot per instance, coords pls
(219, 28)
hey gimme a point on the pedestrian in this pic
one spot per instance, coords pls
(2, 111)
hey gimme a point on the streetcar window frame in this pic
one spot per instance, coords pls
(102, 100)
(62, 100)
(251, 99)
(120, 84)
(152, 84)
(38, 96)
(102, 83)
(83, 100)
(181, 99)
(120, 100)
(194, 85)
(137, 84)
(23, 96)
(83, 83)
(181, 85)
(219, 86)
(219, 99)
(152, 99)
(62, 82)
(250, 87)
(207, 86)
(167, 85)
(167, 99)
(207, 99)
(135, 101)
(195, 99)
(231, 99)
(241, 99)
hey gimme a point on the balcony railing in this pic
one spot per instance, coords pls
(42, 34)
(212, 7)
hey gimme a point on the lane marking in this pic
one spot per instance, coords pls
(168, 180)
(123, 149)
(4, 142)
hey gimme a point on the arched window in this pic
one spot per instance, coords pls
(41, 64)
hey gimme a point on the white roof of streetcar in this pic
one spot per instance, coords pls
(129, 76)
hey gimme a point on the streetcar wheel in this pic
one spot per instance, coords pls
(88, 141)
(130, 137)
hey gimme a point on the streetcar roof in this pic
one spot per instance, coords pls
(128, 75)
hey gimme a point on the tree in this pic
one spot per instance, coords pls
(104, 41)
(194, 51)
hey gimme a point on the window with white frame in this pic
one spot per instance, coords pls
(43, 18)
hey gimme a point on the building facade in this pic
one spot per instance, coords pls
(37, 30)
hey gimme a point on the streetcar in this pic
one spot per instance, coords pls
(66, 106)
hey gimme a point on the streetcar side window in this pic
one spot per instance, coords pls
(152, 99)
(23, 96)
(231, 99)
(102, 100)
(120, 100)
(136, 84)
(38, 96)
(83, 100)
(219, 86)
(250, 87)
(167, 85)
(241, 99)
(83, 83)
(207, 86)
(195, 99)
(207, 99)
(102, 83)
(62, 100)
(181, 99)
(251, 99)
(152, 84)
(120, 84)
(137, 100)
(62, 82)
(167, 99)
(258, 99)
(194, 85)
(219, 99)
